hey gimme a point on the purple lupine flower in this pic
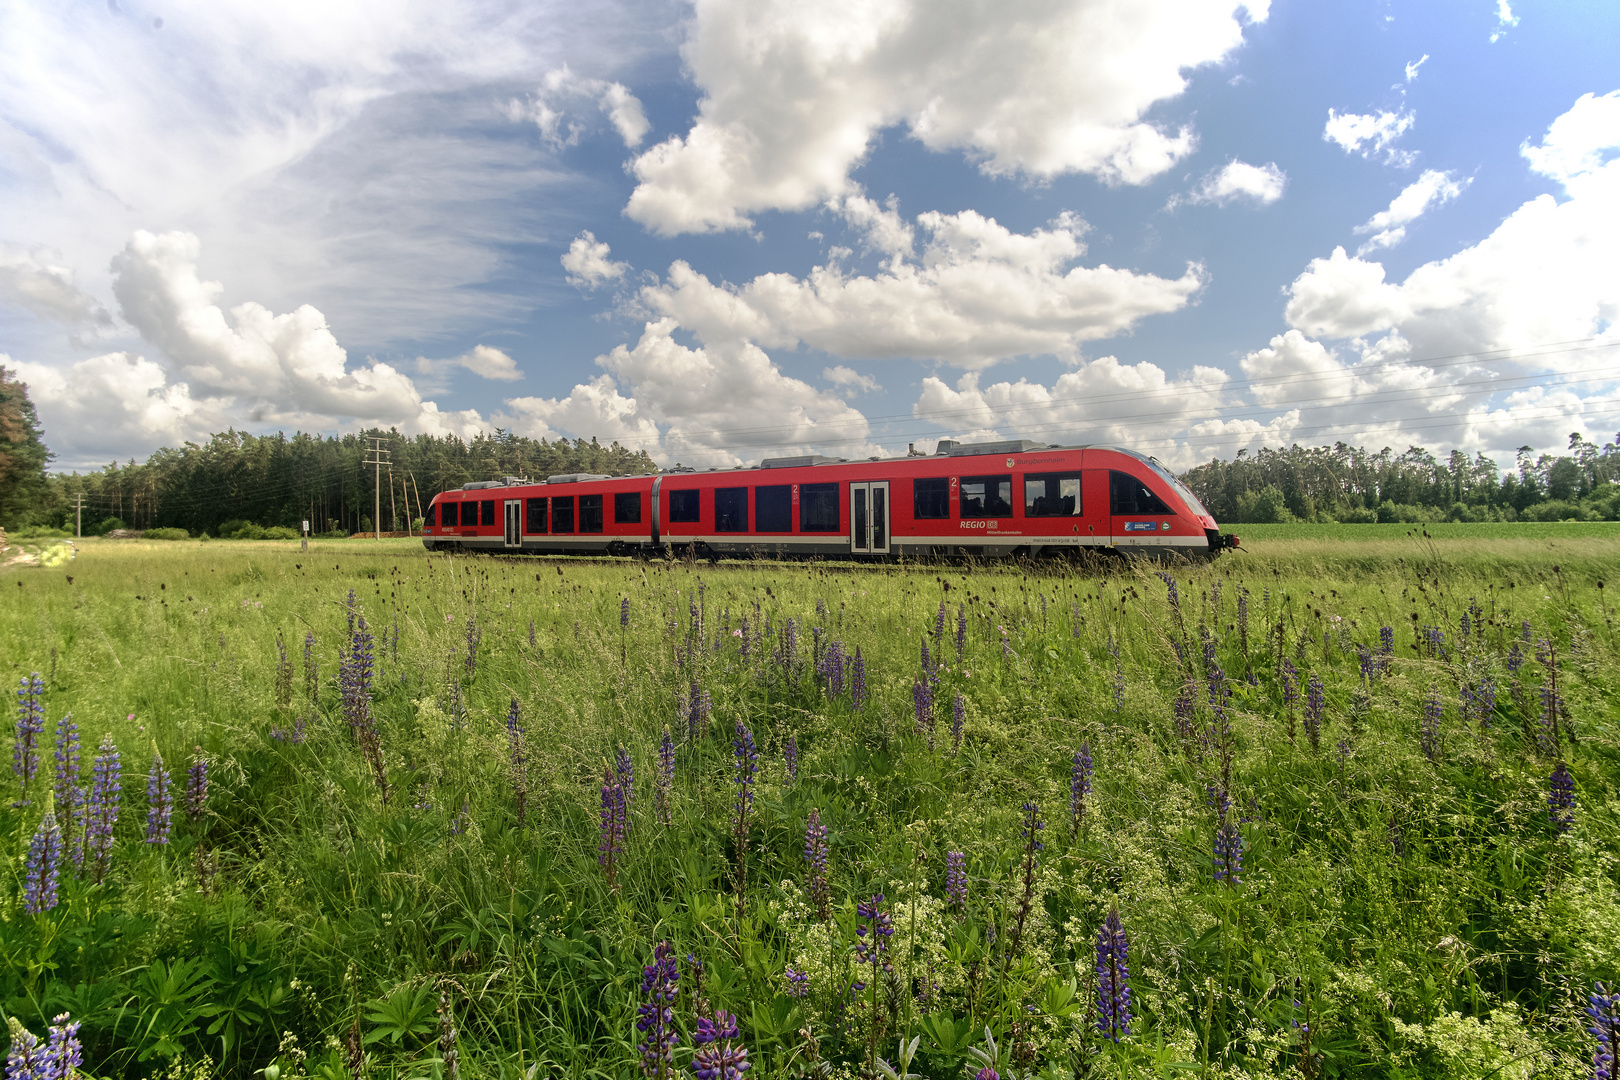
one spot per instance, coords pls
(474, 636)
(1386, 647)
(517, 760)
(1315, 700)
(832, 669)
(873, 930)
(624, 613)
(1228, 853)
(1171, 594)
(939, 626)
(721, 1057)
(26, 1059)
(1561, 798)
(611, 845)
(660, 984)
(857, 681)
(697, 716)
(102, 812)
(927, 661)
(159, 801)
(1485, 701)
(987, 1073)
(744, 767)
(958, 718)
(1113, 973)
(1290, 685)
(1365, 656)
(1080, 769)
(798, 984)
(922, 705)
(1181, 711)
(43, 865)
(665, 780)
(1429, 729)
(30, 723)
(790, 758)
(197, 785)
(961, 632)
(956, 882)
(1603, 1014)
(58, 1059)
(815, 854)
(625, 769)
(312, 679)
(1551, 699)
(284, 674)
(69, 794)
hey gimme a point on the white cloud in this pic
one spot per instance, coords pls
(1433, 189)
(699, 406)
(548, 108)
(1546, 274)
(48, 290)
(979, 293)
(1259, 184)
(851, 380)
(491, 363)
(1580, 142)
(1412, 68)
(114, 403)
(794, 95)
(587, 262)
(1505, 20)
(1370, 134)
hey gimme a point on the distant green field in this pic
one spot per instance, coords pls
(1444, 530)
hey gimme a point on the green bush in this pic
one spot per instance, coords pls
(237, 529)
(1553, 510)
(1357, 515)
(38, 532)
(108, 525)
(280, 532)
(166, 534)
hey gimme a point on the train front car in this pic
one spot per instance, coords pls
(1152, 512)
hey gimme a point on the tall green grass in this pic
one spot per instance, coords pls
(1422, 916)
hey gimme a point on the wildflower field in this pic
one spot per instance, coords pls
(1321, 809)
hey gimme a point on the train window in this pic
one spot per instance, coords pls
(486, 512)
(683, 506)
(931, 498)
(1052, 495)
(428, 520)
(818, 508)
(1128, 495)
(730, 509)
(562, 514)
(590, 513)
(536, 511)
(986, 496)
(447, 512)
(773, 508)
(627, 508)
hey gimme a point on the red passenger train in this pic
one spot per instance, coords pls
(983, 499)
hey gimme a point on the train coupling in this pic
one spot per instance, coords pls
(1219, 541)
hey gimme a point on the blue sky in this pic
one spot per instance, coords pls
(743, 227)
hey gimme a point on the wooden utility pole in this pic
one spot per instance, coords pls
(78, 517)
(414, 484)
(377, 461)
(393, 511)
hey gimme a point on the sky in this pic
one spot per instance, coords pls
(731, 229)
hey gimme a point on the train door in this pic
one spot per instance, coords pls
(514, 523)
(869, 518)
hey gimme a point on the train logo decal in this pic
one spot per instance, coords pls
(1141, 526)
(1009, 463)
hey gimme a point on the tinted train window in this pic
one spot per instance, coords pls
(427, 521)
(536, 511)
(818, 508)
(562, 514)
(627, 508)
(773, 508)
(730, 509)
(931, 498)
(1052, 495)
(447, 511)
(486, 512)
(1128, 495)
(590, 513)
(986, 496)
(683, 506)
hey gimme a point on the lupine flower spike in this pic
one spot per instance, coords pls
(956, 882)
(69, 795)
(102, 812)
(517, 754)
(625, 769)
(197, 785)
(58, 1059)
(1228, 853)
(660, 983)
(857, 681)
(815, 854)
(790, 759)
(611, 845)
(663, 792)
(1603, 1023)
(43, 864)
(720, 1056)
(1113, 972)
(745, 766)
(30, 723)
(1079, 787)
(1561, 798)
(159, 801)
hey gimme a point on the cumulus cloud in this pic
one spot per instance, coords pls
(114, 402)
(484, 360)
(1412, 68)
(1370, 134)
(561, 89)
(850, 380)
(710, 405)
(587, 262)
(1505, 20)
(977, 294)
(794, 95)
(48, 290)
(1238, 180)
(1433, 189)
(1546, 274)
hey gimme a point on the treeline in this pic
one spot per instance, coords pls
(281, 480)
(1351, 484)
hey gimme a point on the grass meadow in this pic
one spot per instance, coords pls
(1078, 823)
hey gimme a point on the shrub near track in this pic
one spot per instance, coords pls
(1322, 860)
